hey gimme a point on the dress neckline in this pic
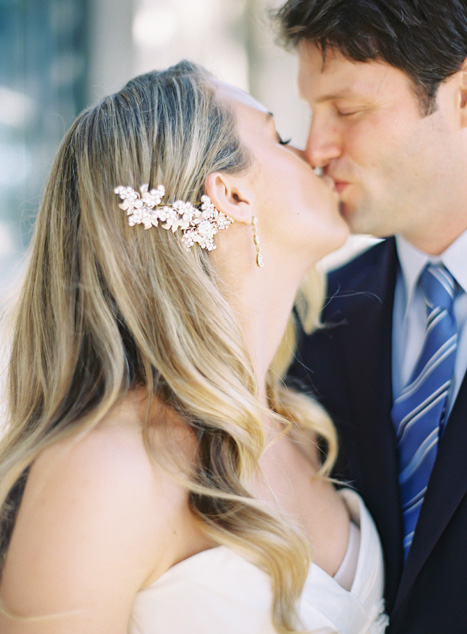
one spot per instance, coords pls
(354, 505)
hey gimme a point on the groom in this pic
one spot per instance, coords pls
(386, 81)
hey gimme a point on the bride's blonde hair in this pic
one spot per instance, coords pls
(106, 308)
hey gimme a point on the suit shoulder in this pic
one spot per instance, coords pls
(354, 272)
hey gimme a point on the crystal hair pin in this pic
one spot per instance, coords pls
(199, 224)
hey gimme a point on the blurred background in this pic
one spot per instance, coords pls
(57, 56)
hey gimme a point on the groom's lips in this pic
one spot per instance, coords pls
(340, 185)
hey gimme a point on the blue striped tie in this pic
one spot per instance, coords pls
(418, 411)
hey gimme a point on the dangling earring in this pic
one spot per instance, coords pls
(259, 255)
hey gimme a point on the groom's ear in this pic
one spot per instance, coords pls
(463, 93)
(231, 195)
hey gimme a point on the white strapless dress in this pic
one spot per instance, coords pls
(217, 591)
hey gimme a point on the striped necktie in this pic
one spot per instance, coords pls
(418, 411)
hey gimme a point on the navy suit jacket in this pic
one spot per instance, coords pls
(347, 366)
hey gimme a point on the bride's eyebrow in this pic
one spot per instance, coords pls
(270, 119)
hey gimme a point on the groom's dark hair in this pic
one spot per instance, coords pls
(427, 39)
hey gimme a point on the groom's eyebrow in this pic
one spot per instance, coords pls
(333, 96)
(340, 93)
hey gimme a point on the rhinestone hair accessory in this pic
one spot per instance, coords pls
(199, 224)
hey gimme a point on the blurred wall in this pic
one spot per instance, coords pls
(233, 39)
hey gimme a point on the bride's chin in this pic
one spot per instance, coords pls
(340, 237)
(326, 250)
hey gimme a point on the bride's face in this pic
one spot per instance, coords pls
(297, 210)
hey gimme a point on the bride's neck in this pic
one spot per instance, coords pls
(262, 300)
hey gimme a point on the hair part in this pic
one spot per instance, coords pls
(426, 39)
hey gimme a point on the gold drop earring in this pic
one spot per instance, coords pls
(259, 255)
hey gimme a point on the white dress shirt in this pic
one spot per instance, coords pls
(409, 312)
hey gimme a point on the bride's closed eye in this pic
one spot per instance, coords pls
(281, 141)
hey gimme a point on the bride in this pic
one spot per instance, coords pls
(156, 476)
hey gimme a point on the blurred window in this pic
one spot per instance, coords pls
(44, 58)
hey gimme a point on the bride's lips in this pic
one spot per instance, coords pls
(328, 180)
(335, 184)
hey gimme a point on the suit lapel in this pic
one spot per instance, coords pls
(447, 487)
(369, 369)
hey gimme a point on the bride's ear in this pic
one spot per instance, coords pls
(230, 195)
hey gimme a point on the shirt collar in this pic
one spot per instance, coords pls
(413, 261)
(455, 260)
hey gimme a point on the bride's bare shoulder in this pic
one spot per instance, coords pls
(98, 517)
(113, 461)
(112, 450)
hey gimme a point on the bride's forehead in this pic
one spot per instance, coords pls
(235, 95)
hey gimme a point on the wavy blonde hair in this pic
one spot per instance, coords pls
(106, 308)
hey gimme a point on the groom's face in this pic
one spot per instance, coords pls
(392, 165)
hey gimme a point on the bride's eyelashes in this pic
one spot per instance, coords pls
(282, 142)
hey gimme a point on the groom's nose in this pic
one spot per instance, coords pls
(323, 143)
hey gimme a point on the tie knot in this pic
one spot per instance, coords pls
(438, 285)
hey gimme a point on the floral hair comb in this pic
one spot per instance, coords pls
(199, 224)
